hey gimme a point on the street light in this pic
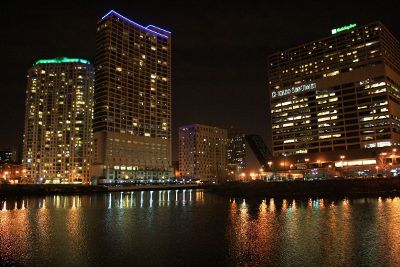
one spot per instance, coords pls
(394, 160)
(342, 157)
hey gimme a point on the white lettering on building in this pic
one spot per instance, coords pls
(294, 90)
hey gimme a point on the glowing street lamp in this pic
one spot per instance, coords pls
(342, 157)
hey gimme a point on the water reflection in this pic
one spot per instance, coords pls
(122, 200)
(125, 228)
(314, 232)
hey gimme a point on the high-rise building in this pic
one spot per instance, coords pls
(236, 151)
(337, 94)
(58, 119)
(132, 101)
(202, 152)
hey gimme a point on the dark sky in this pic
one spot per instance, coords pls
(219, 49)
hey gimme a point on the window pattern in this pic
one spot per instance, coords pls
(58, 122)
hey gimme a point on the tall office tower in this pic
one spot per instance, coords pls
(202, 152)
(337, 94)
(236, 151)
(58, 120)
(132, 101)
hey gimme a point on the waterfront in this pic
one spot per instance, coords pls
(193, 227)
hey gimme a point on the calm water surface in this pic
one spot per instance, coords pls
(195, 228)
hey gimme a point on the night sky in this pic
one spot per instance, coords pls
(219, 49)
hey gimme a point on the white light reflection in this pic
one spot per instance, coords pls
(151, 199)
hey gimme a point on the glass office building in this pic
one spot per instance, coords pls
(337, 94)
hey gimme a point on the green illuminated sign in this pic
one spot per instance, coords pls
(58, 60)
(344, 28)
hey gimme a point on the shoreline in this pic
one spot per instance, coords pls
(7, 190)
(287, 189)
(341, 188)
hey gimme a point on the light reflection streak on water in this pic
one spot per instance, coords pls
(151, 199)
(287, 232)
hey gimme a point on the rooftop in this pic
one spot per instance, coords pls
(150, 28)
(59, 60)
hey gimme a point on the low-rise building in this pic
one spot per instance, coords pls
(202, 152)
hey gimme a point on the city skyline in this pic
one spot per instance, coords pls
(223, 57)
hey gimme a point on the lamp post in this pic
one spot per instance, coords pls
(342, 157)
(270, 168)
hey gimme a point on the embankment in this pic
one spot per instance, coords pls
(319, 188)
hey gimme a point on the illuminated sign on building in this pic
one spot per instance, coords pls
(294, 90)
(344, 28)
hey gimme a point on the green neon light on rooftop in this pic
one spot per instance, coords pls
(59, 60)
(344, 28)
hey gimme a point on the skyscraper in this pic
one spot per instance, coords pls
(236, 151)
(202, 152)
(58, 119)
(338, 95)
(132, 101)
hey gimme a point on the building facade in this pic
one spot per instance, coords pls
(236, 151)
(336, 95)
(58, 118)
(132, 101)
(203, 152)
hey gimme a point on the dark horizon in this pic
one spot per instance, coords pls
(219, 51)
